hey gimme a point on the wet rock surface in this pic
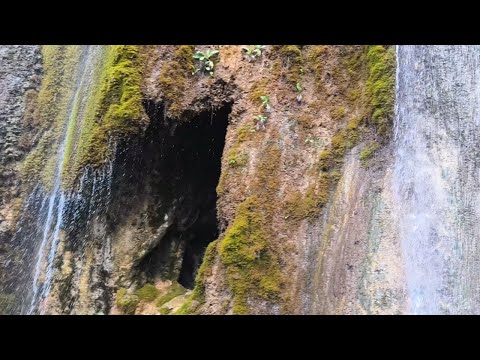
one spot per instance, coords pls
(20, 71)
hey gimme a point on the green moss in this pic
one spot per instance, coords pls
(114, 110)
(345, 139)
(164, 311)
(257, 89)
(368, 151)
(198, 295)
(293, 60)
(60, 68)
(244, 133)
(252, 269)
(174, 76)
(236, 158)
(354, 62)
(148, 292)
(338, 113)
(325, 159)
(221, 184)
(316, 196)
(245, 249)
(381, 86)
(353, 95)
(126, 302)
(105, 109)
(172, 292)
(315, 60)
(309, 206)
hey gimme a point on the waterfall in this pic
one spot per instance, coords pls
(436, 176)
(51, 215)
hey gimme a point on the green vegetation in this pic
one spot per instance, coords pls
(292, 60)
(148, 292)
(198, 295)
(126, 302)
(236, 158)
(253, 52)
(325, 160)
(52, 104)
(115, 110)
(173, 78)
(258, 89)
(381, 86)
(111, 110)
(164, 311)
(206, 61)
(172, 292)
(261, 121)
(339, 113)
(265, 102)
(246, 250)
(315, 62)
(359, 88)
(309, 206)
(299, 89)
(368, 151)
(251, 268)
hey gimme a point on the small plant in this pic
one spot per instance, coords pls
(261, 120)
(206, 61)
(266, 103)
(252, 52)
(299, 89)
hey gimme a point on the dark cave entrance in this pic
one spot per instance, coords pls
(184, 161)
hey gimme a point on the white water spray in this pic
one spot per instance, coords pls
(437, 176)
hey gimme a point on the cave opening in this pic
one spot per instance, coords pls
(185, 159)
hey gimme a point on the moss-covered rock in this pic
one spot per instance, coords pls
(174, 78)
(252, 269)
(171, 292)
(381, 86)
(198, 295)
(368, 151)
(148, 292)
(91, 120)
(126, 302)
(293, 60)
(115, 109)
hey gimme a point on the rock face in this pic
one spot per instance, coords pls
(20, 75)
(263, 187)
(353, 259)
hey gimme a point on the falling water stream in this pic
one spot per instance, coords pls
(436, 182)
(53, 204)
(437, 176)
